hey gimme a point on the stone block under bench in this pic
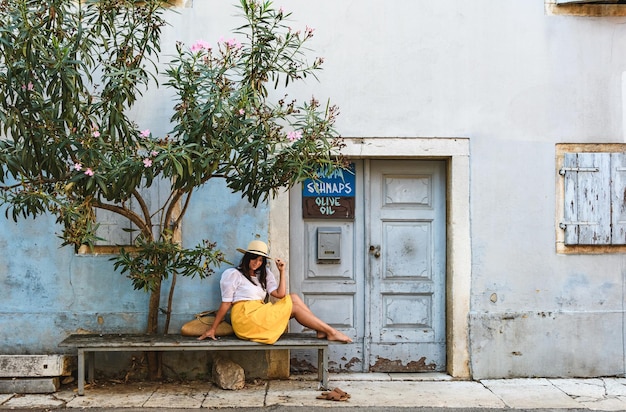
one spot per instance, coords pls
(33, 373)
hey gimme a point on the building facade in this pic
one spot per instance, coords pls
(487, 141)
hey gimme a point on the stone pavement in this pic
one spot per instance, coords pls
(369, 392)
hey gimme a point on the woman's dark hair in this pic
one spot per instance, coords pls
(261, 272)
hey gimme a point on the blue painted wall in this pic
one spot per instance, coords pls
(47, 292)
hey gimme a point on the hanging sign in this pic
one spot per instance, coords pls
(331, 196)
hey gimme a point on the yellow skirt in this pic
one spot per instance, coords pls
(261, 322)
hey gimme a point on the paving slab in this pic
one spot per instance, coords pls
(410, 394)
(67, 393)
(581, 388)
(32, 401)
(606, 394)
(293, 393)
(530, 394)
(252, 396)
(615, 386)
(605, 404)
(129, 395)
(189, 395)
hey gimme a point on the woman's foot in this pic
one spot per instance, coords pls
(321, 335)
(339, 337)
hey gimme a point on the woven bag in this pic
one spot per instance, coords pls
(203, 322)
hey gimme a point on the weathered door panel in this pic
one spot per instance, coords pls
(407, 266)
(406, 357)
(387, 291)
(333, 290)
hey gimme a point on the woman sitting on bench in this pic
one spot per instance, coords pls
(244, 290)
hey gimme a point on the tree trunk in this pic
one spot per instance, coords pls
(155, 370)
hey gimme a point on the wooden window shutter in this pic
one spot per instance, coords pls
(618, 198)
(115, 229)
(587, 214)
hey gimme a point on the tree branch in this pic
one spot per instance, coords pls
(132, 216)
(176, 195)
(182, 213)
(144, 209)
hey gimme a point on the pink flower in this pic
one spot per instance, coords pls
(154, 153)
(242, 112)
(28, 86)
(147, 162)
(199, 45)
(233, 44)
(96, 134)
(145, 133)
(89, 172)
(77, 166)
(293, 136)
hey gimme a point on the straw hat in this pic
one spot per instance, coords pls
(256, 247)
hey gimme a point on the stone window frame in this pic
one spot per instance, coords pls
(180, 3)
(115, 229)
(561, 149)
(584, 9)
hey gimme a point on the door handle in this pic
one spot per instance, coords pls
(375, 250)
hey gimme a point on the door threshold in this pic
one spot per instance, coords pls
(379, 376)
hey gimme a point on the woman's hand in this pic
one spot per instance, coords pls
(280, 264)
(208, 334)
(219, 316)
(281, 291)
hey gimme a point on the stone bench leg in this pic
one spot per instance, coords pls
(81, 372)
(88, 358)
(322, 368)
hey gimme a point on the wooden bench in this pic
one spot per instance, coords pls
(89, 344)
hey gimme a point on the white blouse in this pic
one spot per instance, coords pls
(235, 287)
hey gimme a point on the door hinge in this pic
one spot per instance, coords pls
(578, 169)
(563, 225)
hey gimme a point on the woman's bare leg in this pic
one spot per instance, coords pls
(301, 312)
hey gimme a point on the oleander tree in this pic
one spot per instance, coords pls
(71, 71)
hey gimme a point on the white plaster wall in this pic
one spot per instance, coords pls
(515, 82)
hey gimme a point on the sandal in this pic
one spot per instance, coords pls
(334, 395)
(342, 393)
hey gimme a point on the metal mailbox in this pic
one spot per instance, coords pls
(328, 244)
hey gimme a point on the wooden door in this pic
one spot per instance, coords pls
(388, 289)
(407, 253)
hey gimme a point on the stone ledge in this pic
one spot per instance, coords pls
(29, 385)
(36, 366)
